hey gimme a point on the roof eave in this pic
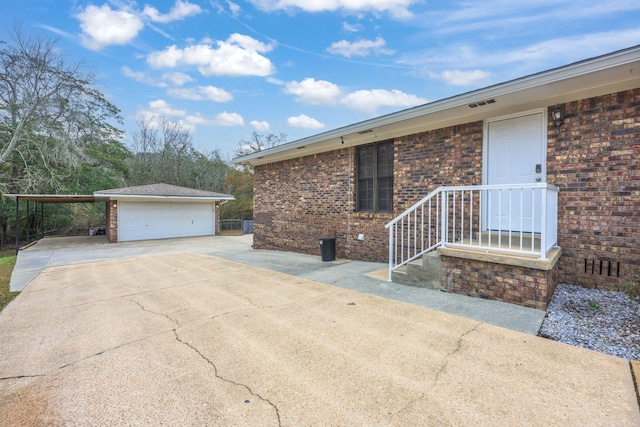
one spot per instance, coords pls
(148, 198)
(350, 134)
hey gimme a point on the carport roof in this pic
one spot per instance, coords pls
(54, 198)
(151, 191)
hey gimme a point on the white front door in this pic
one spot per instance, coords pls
(515, 155)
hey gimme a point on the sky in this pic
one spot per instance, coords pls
(225, 69)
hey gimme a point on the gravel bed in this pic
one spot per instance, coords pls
(604, 321)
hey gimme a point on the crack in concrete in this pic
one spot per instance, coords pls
(229, 289)
(442, 368)
(220, 377)
(266, 307)
(458, 345)
(82, 359)
(125, 296)
(106, 350)
(17, 377)
(177, 323)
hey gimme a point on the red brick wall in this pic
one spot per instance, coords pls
(112, 221)
(299, 201)
(428, 160)
(218, 224)
(594, 158)
(516, 285)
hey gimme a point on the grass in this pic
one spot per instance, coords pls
(6, 267)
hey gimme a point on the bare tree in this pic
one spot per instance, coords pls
(50, 112)
(164, 152)
(259, 142)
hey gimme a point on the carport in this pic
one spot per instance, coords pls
(38, 216)
(144, 212)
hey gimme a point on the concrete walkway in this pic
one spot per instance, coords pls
(173, 337)
(360, 276)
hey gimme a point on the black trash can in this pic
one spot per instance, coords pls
(328, 248)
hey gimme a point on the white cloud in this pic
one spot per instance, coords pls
(223, 119)
(275, 81)
(201, 93)
(260, 126)
(312, 91)
(321, 92)
(163, 108)
(179, 11)
(463, 78)
(572, 48)
(158, 111)
(234, 8)
(228, 119)
(369, 100)
(239, 55)
(360, 47)
(151, 119)
(304, 121)
(140, 77)
(177, 78)
(352, 28)
(396, 8)
(102, 26)
(521, 60)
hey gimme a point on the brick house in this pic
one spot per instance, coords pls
(515, 187)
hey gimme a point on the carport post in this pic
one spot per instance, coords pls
(17, 224)
(27, 227)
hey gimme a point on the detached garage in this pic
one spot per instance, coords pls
(160, 211)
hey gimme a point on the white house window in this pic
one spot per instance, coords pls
(375, 177)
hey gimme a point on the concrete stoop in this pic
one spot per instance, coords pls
(425, 272)
(523, 279)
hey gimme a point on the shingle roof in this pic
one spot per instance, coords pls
(162, 190)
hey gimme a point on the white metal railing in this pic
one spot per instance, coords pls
(518, 219)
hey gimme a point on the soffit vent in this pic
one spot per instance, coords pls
(481, 103)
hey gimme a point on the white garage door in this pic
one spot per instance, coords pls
(162, 220)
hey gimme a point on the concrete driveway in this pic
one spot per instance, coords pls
(185, 338)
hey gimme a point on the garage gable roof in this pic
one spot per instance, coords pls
(160, 191)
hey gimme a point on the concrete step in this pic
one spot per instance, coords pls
(424, 273)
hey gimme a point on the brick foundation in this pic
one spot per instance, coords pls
(507, 283)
